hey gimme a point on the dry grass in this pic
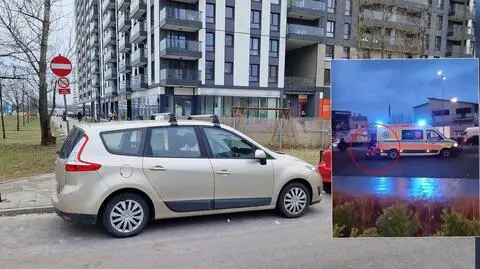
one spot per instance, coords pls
(429, 212)
(21, 154)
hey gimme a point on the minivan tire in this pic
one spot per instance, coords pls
(293, 200)
(393, 154)
(114, 205)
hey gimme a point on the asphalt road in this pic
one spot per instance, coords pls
(465, 165)
(249, 240)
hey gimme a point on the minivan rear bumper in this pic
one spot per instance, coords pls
(77, 218)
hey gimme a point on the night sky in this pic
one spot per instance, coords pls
(369, 86)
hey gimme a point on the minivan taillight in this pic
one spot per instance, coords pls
(75, 163)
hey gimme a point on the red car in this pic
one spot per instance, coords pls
(325, 168)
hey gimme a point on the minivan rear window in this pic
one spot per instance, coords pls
(70, 142)
(124, 142)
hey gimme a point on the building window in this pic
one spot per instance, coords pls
(346, 53)
(209, 70)
(346, 31)
(228, 40)
(228, 68)
(329, 52)
(330, 29)
(440, 3)
(348, 7)
(273, 48)
(275, 22)
(412, 134)
(255, 19)
(276, 2)
(438, 43)
(210, 45)
(273, 74)
(210, 13)
(230, 12)
(326, 76)
(254, 72)
(254, 46)
(331, 6)
(438, 23)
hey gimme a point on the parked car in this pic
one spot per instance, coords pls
(470, 136)
(325, 168)
(124, 174)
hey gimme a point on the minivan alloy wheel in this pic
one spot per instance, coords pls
(126, 216)
(295, 201)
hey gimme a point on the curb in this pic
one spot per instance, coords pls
(26, 210)
(27, 178)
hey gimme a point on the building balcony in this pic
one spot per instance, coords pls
(93, 14)
(111, 90)
(94, 69)
(93, 55)
(459, 33)
(125, 86)
(124, 44)
(138, 33)
(93, 28)
(124, 66)
(180, 49)
(137, 9)
(390, 43)
(402, 22)
(124, 22)
(109, 56)
(460, 13)
(123, 4)
(416, 5)
(92, 3)
(109, 20)
(302, 35)
(178, 19)
(302, 82)
(139, 58)
(93, 42)
(109, 39)
(139, 82)
(110, 74)
(108, 5)
(306, 9)
(457, 51)
(180, 77)
(95, 81)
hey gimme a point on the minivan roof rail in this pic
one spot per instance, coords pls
(215, 119)
(173, 119)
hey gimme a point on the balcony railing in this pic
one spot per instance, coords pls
(184, 49)
(308, 4)
(293, 81)
(124, 65)
(109, 20)
(137, 8)
(139, 31)
(304, 30)
(139, 57)
(186, 77)
(125, 85)
(124, 22)
(110, 73)
(395, 19)
(139, 81)
(180, 19)
(124, 44)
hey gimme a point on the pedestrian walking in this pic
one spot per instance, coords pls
(109, 116)
(79, 116)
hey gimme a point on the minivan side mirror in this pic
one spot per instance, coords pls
(261, 155)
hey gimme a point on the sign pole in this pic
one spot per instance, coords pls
(66, 111)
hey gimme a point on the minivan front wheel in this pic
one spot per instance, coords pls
(294, 199)
(445, 153)
(125, 215)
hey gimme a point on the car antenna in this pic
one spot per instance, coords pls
(215, 121)
(173, 120)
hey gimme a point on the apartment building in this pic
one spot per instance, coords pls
(87, 64)
(205, 56)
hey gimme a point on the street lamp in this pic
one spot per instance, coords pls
(454, 100)
(442, 77)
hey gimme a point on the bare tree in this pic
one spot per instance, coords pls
(28, 25)
(14, 96)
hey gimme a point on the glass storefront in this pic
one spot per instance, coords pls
(183, 105)
(144, 107)
(222, 105)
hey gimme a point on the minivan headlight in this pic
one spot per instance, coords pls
(455, 144)
(311, 167)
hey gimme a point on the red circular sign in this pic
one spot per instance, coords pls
(61, 66)
(63, 83)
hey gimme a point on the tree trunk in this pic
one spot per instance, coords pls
(47, 138)
(23, 106)
(17, 109)
(1, 111)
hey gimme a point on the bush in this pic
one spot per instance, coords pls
(455, 224)
(395, 221)
(338, 230)
(370, 232)
(355, 232)
(345, 216)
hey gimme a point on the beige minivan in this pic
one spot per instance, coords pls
(123, 174)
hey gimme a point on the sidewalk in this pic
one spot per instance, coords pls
(30, 195)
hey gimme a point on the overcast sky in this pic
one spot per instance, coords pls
(369, 86)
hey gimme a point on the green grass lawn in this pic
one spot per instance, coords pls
(311, 155)
(21, 154)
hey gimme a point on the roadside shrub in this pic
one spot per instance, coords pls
(345, 215)
(355, 232)
(338, 230)
(395, 221)
(455, 224)
(370, 232)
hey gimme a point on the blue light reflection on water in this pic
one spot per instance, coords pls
(411, 188)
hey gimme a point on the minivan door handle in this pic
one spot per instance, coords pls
(223, 172)
(158, 168)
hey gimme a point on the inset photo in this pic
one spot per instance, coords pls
(404, 152)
